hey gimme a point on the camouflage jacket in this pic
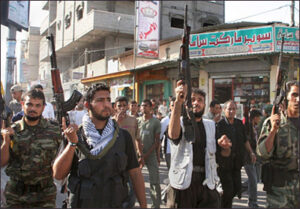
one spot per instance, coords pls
(285, 149)
(32, 151)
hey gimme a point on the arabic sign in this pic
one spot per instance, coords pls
(291, 39)
(147, 36)
(243, 41)
(18, 13)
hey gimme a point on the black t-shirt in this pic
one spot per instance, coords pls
(236, 133)
(132, 161)
(199, 146)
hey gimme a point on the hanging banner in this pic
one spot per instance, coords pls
(147, 33)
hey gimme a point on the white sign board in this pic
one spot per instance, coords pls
(147, 35)
(18, 13)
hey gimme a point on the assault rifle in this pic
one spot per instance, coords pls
(280, 94)
(189, 122)
(266, 170)
(62, 106)
(5, 113)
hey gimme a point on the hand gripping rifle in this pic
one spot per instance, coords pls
(62, 106)
(189, 122)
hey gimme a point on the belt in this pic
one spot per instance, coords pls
(23, 187)
(199, 169)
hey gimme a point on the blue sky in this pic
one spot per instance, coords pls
(234, 11)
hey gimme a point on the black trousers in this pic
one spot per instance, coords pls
(231, 185)
(196, 196)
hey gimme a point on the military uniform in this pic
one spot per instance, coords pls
(32, 151)
(281, 180)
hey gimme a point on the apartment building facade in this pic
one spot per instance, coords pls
(28, 58)
(89, 34)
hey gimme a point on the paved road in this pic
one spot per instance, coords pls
(237, 203)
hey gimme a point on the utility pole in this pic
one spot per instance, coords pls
(292, 13)
(85, 62)
(10, 60)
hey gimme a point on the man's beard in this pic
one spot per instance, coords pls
(198, 114)
(30, 118)
(98, 116)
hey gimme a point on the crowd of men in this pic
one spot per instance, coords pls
(99, 155)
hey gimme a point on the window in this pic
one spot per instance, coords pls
(168, 53)
(207, 24)
(79, 11)
(176, 22)
(68, 20)
(58, 25)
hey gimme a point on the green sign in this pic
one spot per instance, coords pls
(291, 39)
(243, 41)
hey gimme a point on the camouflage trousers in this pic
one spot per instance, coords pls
(284, 197)
(17, 198)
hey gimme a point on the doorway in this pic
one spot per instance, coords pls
(222, 90)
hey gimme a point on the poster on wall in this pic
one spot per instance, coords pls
(147, 33)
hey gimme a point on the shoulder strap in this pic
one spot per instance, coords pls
(86, 152)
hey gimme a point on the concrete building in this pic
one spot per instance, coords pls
(28, 66)
(88, 34)
(231, 61)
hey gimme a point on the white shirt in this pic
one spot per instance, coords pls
(48, 111)
(164, 124)
(163, 110)
(76, 116)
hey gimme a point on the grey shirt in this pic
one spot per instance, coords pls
(15, 106)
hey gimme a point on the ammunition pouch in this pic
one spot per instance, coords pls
(282, 176)
(275, 176)
(73, 186)
(266, 176)
(21, 188)
(99, 183)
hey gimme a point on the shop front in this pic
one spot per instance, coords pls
(120, 83)
(153, 84)
(242, 63)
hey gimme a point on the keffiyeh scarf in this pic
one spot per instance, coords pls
(94, 139)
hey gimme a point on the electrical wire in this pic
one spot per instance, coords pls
(259, 13)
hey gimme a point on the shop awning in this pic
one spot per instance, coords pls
(123, 87)
(106, 76)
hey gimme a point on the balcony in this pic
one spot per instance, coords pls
(44, 25)
(94, 26)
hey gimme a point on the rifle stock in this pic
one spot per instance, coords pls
(189, 122)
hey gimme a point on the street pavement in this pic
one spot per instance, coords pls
(237, 203)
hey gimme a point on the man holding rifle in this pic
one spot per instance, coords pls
(29, 148)
(99, 158)
(279, 144)
(193, 173)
